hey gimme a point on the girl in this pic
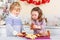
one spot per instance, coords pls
(38, 22)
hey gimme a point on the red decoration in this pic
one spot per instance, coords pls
(29, 1)
(48, 1)
(23, 0)
(45, 1)
(36, 2)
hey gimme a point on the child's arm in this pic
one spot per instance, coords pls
(33, 26)
(23, 33)
(9, 26)
(44, 24)
(21, 29)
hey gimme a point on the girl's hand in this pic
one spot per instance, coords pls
(37, 27)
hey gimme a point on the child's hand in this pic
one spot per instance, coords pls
(37, 27)
(21, 34)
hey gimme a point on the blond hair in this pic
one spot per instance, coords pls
(14, 4)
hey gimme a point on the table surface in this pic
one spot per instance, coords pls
(13, 38)
(22, 38)
(56, 35)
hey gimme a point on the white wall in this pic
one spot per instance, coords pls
(50, 10)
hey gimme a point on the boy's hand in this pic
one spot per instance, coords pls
(21, 34)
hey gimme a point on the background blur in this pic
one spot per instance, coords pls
(50, 10)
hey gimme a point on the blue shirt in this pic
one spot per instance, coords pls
(13, 23)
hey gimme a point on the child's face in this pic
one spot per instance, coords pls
(34, 15)
(16, 10)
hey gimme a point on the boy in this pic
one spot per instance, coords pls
(13, 22)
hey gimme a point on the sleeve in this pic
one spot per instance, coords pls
(9, 25)
(44, 21)
(44, 25)
(22, 27)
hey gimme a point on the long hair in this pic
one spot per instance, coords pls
(39, 13)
